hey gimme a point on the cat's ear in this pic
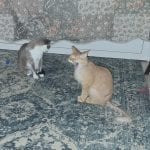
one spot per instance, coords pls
(75, 50)
(84, 54)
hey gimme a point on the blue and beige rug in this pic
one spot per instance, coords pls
(44, 114)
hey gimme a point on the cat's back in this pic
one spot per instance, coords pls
(96, 69)
(23, 47)
(103, 70)
(104, 77)
(22, 50)
(22, 56)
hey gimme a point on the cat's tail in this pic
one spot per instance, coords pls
(125, 118)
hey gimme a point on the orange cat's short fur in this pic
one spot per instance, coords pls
(96, 82)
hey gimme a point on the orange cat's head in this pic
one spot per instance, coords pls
(78, 57)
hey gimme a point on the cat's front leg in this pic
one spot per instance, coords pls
(39, 69)
(35, 76)
(84, 95)
(80, 99)
(31, 70)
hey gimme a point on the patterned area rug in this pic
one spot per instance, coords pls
(44, 114)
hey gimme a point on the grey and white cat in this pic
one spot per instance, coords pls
(30, 57)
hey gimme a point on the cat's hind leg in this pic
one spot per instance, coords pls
(96, 98)
(95, 101)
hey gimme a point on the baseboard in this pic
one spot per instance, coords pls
(135, 49)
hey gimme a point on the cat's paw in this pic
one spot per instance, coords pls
(35, 76)
(29, 73)
(41, 75)
(80, 99)
(88, 100)
(41, 72)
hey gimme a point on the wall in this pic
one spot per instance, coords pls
(79, 20)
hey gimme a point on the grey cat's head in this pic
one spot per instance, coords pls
(44, 43)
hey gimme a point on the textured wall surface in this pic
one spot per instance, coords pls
(80, 20)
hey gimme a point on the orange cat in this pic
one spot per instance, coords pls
(96, 82)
